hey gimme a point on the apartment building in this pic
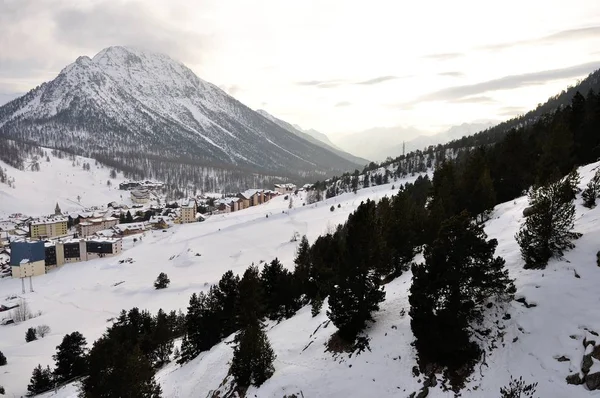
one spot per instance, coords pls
(50, 227)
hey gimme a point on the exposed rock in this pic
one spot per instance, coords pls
(562, 359)
(528, 211)
(598, 259)
(575, 379)
(412, 395)
(415, 371)
(596, 352)
(592, 381)
(423, 393)
(430, 382)
(587, 363)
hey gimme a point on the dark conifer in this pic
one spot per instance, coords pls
(162, 281)
(30, 335)
(41, 381)
(70, 358)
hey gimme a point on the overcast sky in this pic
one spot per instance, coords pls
(335, 65)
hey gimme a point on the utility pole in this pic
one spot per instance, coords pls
(30, 285)
(23, 284)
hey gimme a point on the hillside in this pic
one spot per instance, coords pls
(322, 142)
(145, 111)
(61, 180)
(82, 296)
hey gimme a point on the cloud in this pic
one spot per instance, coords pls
(321, 83)
(378, 80)
(452, 74)
(480, 99)
(443, 56)
(512, 111)
(508, 83)
(232, 89)
(565, 35)
(342, 104)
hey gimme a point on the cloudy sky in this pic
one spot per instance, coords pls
(338, 66)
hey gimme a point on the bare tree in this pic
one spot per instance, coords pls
(42, 330)
(22, 312)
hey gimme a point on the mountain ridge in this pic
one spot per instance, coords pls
(125, 103)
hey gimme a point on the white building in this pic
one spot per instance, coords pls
(93, 225)
(285, 188)
(140, 196)
(188, 211)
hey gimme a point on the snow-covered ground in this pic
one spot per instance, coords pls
(37, 192)
(82, 296)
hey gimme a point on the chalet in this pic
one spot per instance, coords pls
(27, 259)
(285, 188)
(130, 229)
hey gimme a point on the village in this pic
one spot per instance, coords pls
(32, 246)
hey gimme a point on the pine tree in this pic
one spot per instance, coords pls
(279, 296)
(358, 291)
(253, 356)
(162, 338)
(128, 217)
(70, 358)
(547, 231)
(116, 370)
(41, 381)
(30, 335)
(2, 359)
(449, 291)
(592, 191)
(302, 269)
(162, 281)
(227, 297)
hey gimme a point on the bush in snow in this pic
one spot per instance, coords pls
(22, 312)
(162, 281)
(30, 335)
(2, 391)
(518, 389)
(598, 259)
(547, 231)
(591, 192)
(2, 359)
(42, 330)
(332, 208)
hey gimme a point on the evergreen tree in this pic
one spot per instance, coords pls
(70, 358)
(41, 381)
(30, 335)
(357, 292)
(2, 390)
(253, 356)
(449, 292)
(116, 370)
(162, 281)
(2, 359)
(227, 297)
(128, 217)
(279, 296)
(162, 338)
(591, 192)
(250, 305)
(302, 269)
(547, 231)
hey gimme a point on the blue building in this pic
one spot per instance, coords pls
(27, 259)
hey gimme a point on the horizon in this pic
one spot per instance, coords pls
(310, 65)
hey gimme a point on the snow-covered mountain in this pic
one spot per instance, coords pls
(125, 102)
(312, 138)
(318, 135)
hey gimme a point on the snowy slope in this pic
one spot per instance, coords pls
(81, 296)
(36, 193)
(125, 100)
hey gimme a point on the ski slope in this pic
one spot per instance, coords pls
(81, 296)
(36, 193)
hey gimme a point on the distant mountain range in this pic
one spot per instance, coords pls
(313, 136)
(126, 103)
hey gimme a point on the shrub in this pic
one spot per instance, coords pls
(518, 389)
(332, 208)
(42, 330)
(2, 359)
(30, 335)
(162, 281)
